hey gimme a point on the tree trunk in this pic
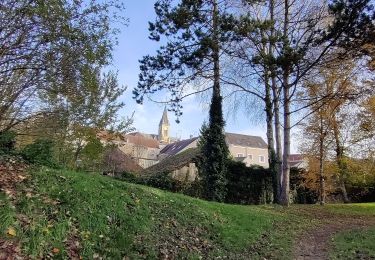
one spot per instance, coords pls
(322, 194)
(215, 51)
(276, 112)
(76, 155)
(284, 198)
(340, 160)
(278, 154)
(270, 140)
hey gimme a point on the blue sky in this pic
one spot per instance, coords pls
(133, 45)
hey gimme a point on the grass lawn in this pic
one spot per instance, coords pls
(356, 244)
(63, 214)
(367, 209)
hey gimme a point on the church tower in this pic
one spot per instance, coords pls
(164, 127)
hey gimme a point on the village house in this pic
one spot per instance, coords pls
(179, 158)
(150, 149)
(180, 166)
(298, 161)
(251, 150)
(142, 148)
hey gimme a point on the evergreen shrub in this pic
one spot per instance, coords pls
(248, 185)
(7, 142)
(40, 152)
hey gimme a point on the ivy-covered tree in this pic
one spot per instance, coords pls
(214, 154)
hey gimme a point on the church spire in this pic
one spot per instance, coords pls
(164, 127)
(164, 119)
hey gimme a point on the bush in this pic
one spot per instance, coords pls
(7, 142)
(165, 182)
(302, 194)
(40, 152)
(248, 185)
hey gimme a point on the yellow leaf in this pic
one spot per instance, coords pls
(11, 232)
(55, 250)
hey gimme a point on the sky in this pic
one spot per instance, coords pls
(133, 45)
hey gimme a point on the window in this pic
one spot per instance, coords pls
(250, 156)
(166, 132)
(240, 155)
(261, 159)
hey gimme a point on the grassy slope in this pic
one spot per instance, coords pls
(61, 213)
(106, 217)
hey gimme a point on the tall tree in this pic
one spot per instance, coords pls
(308, 42)
(45, 48)
(197, 32)
(332, 94)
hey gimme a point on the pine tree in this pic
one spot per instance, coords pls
(196, 31)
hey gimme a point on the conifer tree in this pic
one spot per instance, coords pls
(196, 32)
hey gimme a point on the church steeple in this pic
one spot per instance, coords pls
(164, 127)
(164, 119)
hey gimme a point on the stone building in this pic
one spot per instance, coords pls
(141, 147)
(251, 150)
(180, 166)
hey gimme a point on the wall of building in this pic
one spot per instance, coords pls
(144, 156)
(187, 173)
(253, 155)
(145, 163)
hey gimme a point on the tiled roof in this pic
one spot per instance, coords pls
(110, 136)
(140, 139)
(245, 140)
(174, 162)
(116, 161)
(174, 148)
(295, 157)
(235, 139)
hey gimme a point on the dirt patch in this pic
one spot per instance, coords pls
(177, 241)
(10, 250)
(317, 242)
(12, 172)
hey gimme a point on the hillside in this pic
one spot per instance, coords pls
(65, 214)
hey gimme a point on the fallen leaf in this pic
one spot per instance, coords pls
(21, 177)
(11, 232)
(55, 250)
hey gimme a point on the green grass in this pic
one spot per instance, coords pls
(352, 209)
(357, 244)
(112, 219)
(60, 213)
(7, 215)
